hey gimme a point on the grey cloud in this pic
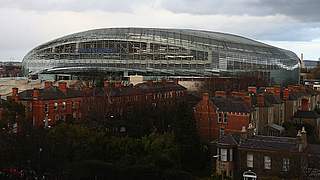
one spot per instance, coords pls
(73, 5)
(305, 10)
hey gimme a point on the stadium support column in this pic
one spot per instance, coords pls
(125, 73)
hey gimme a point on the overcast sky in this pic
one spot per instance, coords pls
(290, 24)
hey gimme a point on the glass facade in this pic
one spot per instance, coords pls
(178, 52)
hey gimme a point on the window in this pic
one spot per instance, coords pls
(55, 107)
(221, 132)
(57, 117)
(46, 108)
(285, 164)
(250, 160)
(230, 155)
(219, 117)
(267, 162)
(224, 154)
(64, 104)
(74, 105)
(225, 118)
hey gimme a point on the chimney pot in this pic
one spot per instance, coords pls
(63, 86)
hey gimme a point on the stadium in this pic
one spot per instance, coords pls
(157, 52)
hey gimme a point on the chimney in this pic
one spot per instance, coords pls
(62, 87)
(15, 94)
(47, 84)
(302, 61)
(277, 91)
(252, 89)
(220, 93)
(35, 94)
(243, 133)
(205, 97)
(260, 100)
(285, 94)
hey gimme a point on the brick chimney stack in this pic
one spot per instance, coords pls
(35, 94)
(285, 94)
(277, 91)
(252, 89)
(205, 97)
(62, 87)
(243, 133)
(15, 94)
(47, 84)
(220, 93)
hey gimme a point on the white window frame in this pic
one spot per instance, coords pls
(250, 160)
(285, 164)
(220, 116)
(267, 162)
(224, 154)
(225, 117)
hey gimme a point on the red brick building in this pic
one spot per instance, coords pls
(220, 115)
(44, 107)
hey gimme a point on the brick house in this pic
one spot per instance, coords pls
(47, 106)
(267, 156)
(220, 115)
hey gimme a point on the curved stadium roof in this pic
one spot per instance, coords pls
(207, 40)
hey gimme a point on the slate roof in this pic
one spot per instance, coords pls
(50, 93)
(229, 140)
(271, 143)
(54, 92)
(231, 104)
(306, 114)
(258, 142)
